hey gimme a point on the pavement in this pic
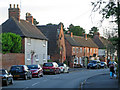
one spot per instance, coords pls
(101, 82)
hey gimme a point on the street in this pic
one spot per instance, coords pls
(63, 80)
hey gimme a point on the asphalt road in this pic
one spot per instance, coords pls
(64, 80)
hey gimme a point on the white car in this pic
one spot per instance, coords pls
(63, 68)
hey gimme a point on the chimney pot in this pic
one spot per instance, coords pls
(10, 6)
(71, 34)
(29, 18)
(17, 6)
(85, 36)
(14, 5)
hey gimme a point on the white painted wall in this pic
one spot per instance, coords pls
(40, 49)
(101, 52)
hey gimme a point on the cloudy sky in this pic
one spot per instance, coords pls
(76, 12)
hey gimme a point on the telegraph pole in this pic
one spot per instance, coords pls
(118, 18)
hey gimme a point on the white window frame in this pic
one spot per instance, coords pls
(29, 56)
(37, 57)
(77, 49)
(88, 50)
(73, 49)
(28, 41)
(80, 50)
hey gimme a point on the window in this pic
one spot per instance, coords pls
(88, 50)
(29, 41)
(43, 56)
(77, 49)
(84, 50)
(91, 50)
(44, 43)
(28, 56)
(80, 50)
(73, 49)
(37, 57)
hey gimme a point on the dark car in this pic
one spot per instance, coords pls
(36, 70)
(6, 77)
(20, 71)
(94, 64)
(51, 67)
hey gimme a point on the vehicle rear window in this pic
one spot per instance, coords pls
(17, 68)
(32, 66)
(60, 64)
(47, 64)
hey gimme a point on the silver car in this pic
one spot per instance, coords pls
(63, 68)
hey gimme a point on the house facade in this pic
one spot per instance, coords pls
(78, 48)
(34, 43)
(56, 42)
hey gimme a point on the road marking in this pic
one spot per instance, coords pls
(25, 88)
(35, 84)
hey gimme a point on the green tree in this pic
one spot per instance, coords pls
(93, 30)
(11, 43)
(35, 21)
(77, 30)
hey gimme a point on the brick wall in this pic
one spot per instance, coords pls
(12, 59)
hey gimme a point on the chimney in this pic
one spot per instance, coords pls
(85, 36)
(71, 34)
(14, 12)
(29, 18)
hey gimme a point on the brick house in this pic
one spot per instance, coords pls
(77, 48)
(56, 42)
(33, 40)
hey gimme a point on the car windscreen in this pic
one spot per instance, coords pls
(2, 72)
(32, 66)
(94, 62)
(16, 68)
(47, 64)
(60, 64)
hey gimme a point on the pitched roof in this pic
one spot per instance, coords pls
(52, 33)
(72, 41)
(22, 28)
(98, 41)
(81, 41)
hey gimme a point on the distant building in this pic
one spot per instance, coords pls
(56, 42)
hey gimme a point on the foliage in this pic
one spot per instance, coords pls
(77, 30)
(35, 21)
(93, 30)
(50, 61)
(11, 43)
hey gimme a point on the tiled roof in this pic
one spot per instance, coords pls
(52, 33)
(99, 42)
(22, 28)
(72, 41)
(81, 41)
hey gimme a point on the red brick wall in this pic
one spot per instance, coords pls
(12, 59)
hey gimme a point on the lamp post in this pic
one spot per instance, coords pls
(118, 18)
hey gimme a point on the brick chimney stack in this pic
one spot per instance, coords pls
(85, 36)
(14, 12)
(71, 34)
(29, 18)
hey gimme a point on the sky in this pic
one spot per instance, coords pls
(76, 12)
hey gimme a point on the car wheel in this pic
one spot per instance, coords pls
(55, 72)
(6, 82)
(25, 77)
(41, 75)
(11, 82)
(30, 77)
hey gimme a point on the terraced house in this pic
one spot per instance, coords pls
(33, 40)
(78, 48)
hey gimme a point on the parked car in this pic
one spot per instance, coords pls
(51, 67)
(36, 70)
(6, 77)
(20, 71)
(94, 64)
(103, 65)
(63, 67)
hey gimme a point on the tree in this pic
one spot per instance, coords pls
(11, 43)
(93, 30)
(77, 30)
(35, 21)
(111, 9)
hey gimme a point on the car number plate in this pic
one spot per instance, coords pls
(16, 75)
(47, 70)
